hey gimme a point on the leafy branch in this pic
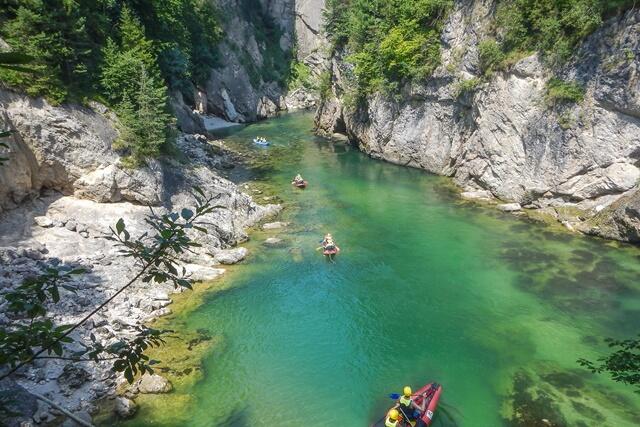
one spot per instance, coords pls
(623, 364)
(157, 257)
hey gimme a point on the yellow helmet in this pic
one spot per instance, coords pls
(407, 391)
(393, 414)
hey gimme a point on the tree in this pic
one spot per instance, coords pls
(623, 365)
(132, 82)
(144, 118)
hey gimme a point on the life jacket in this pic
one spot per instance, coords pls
(405, 401)
(388, 422)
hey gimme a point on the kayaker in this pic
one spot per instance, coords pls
(408, 407)
(298, 179)
(392, 419)
(328, 242)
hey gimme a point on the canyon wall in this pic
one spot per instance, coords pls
(501, 139)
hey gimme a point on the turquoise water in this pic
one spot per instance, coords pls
(495, 308)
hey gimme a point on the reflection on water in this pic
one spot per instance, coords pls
(427, 287)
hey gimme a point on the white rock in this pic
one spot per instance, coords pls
(274, 225)
(510, 207)
(231, 256)
(43, 221)
(476, 195)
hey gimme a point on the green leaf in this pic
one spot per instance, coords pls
(128, 374)
(120, 226)
(186, 214)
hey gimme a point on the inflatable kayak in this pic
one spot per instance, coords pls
(433, 392)
(262, 143)
(302, 184)
(333, 251)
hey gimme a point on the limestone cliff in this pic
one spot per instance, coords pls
(503, 137)
(261, 39)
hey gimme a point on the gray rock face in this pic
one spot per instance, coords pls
(504, 138)
(65, 228)
(243, 89)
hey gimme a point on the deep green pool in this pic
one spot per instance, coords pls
(427, 287)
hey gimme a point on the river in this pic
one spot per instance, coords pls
(427, 287)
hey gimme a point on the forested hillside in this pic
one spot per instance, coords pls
(125, 53)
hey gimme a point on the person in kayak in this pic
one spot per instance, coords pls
(328, 243)
(391, 419)
(298, 179)
(410, 409)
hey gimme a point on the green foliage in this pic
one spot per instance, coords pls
(132, 83)
(324, 85)
(300, 77)
(551, 27)
(276, 62)
(391, 42)
(491, 56)
(564, 92)
(68, 41)
(34, 335)
(623, 364)
(467, 86)
(335, 18)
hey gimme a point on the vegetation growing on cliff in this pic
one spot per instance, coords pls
(390, 42)
(550, 27)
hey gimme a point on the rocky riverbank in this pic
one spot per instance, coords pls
(63, 187)
(501, 139)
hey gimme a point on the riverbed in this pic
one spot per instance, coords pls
(427, 287)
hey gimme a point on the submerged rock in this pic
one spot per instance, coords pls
(273, 242)
(274, 225)
(125, 408)
(152, 384)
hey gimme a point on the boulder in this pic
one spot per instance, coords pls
(43, 221)
(71, 225)
(476, 195)
(125, 408)
(231, 256)
(72, 378)
(274, 225)
(202, 273)
(152, 384)
(273, 242)
(510, 207)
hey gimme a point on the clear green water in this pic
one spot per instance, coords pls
(427, 287)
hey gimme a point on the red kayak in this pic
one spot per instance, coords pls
(333, 251)
(302, 184)
(433, 392)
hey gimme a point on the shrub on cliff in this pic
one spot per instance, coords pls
(391, 42)
(561, 91)
(551, 27)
